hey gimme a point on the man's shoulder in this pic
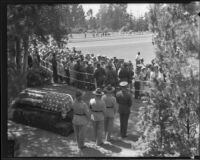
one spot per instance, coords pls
(85, 104)
(96, 70)
(113, 98)
(92, 100)
(119, 93)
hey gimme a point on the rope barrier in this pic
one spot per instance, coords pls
(149, 89)
(79, 80)
(49, 69)
(153, 82)
(81, 72)
(133, 89)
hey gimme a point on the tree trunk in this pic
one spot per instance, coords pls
(25, 64)
(18, 54)
(11, 50)
(25, 44)
(188, 123)
(161, 131)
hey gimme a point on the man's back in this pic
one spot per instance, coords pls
(124, 74)
(125, 101)
(99, 72)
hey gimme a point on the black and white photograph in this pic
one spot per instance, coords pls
(103, 80)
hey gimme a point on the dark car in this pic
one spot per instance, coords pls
(46, 110)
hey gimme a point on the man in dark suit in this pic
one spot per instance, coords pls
(124, 74)
(30, 61)
(99, 75)
(54, 66)
(124, 100)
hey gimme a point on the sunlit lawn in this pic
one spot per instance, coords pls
(122, 48)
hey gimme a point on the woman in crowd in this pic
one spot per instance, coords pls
(131, 75)
(111, 109)
(80, 119)
(137, 86)
(98, 110)
(160, 74)
(143, 78)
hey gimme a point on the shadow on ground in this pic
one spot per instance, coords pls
(122, 144)
(40, 143)
(132, 137)
(91, 152)
(112, 148)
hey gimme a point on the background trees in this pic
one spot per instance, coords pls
(25, 23)
(115, 18)
(173, 108)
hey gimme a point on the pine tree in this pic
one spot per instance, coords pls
(175, 104)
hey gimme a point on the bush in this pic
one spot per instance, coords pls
(172, 108)
(38, 77)
(16, 82)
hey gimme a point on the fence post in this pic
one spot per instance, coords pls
(95, 83)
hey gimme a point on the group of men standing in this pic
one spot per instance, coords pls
(101, 112)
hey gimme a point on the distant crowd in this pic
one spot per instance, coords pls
(87, 71)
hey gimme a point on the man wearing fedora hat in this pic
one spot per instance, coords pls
(124, 100)
(98, 109)
(111, 108)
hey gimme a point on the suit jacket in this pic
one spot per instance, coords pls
(125, 101)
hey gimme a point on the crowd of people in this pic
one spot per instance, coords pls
(108, 73)
(87, 71)
(93, 34)
(110, 79)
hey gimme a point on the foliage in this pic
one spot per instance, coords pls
(37, 77)
(17, 81)
(171, 119)
(112, 16)
(25, 22)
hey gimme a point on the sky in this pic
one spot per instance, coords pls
(136, 9)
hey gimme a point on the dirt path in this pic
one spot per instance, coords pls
(40, 143)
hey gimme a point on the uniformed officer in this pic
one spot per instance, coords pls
(80, 119)
(98, 109)
(124, 100)
(111, 109)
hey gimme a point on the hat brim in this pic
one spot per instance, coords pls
(123, 84)
(97, 94)
(109, 91)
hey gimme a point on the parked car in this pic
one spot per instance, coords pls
(44, 109)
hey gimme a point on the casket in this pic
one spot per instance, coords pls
(46, 110)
